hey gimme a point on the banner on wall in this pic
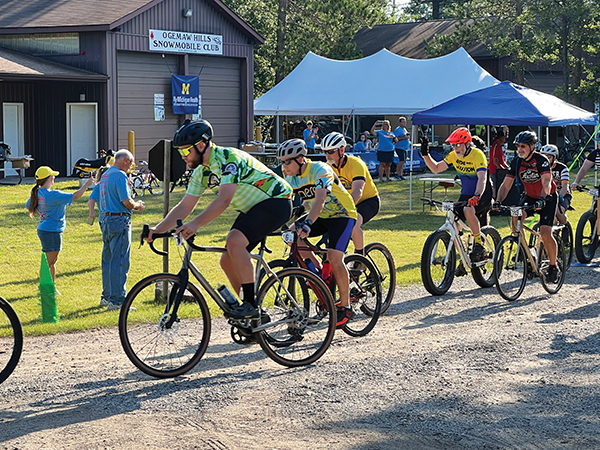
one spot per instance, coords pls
(185, 91)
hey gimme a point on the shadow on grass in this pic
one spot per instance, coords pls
(36, 280)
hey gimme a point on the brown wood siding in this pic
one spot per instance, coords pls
(220, 88)
(140, 76)
(45, 118)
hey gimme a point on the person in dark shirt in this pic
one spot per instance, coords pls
(533, 169)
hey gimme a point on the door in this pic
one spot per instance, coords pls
(13, 132)
(82, 132)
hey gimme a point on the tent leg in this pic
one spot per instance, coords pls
(412, 161)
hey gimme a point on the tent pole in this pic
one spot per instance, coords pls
(547, 135)
(412, 162)
(277, 128)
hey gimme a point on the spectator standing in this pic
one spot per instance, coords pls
(113, 196)
(497, 161)
(385, 147)
(310, 135)
(402, 145)
(51, 206)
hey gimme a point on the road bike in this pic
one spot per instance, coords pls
(165, 325)
(184, 180)
(144, 180)
(438, 258)
(364, 281)
(11, 340)
(587, 234)
(519, 258)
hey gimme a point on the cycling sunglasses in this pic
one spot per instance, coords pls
(287, 162)
(185, 151)
(330, 152)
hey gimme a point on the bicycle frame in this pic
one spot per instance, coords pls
(519, 233)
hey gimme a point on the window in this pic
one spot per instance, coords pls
(42, 44)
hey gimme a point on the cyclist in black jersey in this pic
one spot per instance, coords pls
(534, 172)
(592, 159)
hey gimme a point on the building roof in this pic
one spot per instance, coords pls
(38, 16)
(406, 39)
(21, 66)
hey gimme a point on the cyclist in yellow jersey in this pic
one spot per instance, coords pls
(331, 211)
(355, 177)
(476, 190)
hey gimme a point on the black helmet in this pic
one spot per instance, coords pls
(526, 137)
(191, 133)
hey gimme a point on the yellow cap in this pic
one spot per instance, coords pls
(44, 172)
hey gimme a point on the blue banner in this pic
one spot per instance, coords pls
(186, 90)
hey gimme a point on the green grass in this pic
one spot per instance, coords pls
(78, 267)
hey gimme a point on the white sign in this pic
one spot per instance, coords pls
(182, 42)
(159, 99)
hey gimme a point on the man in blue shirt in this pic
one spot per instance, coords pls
(113, 196)
(402, 145)
(309, 136)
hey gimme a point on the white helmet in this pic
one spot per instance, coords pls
(292, 148)
(550, 149)
(333, 141)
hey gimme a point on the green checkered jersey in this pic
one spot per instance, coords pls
(256, 182)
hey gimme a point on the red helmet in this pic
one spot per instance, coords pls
(459, 136)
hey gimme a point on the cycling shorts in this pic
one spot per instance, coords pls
(548, 212)
(368, 208)
(485, 202)
(339, 229)
(262, 219)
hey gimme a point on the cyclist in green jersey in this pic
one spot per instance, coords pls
(262, 198)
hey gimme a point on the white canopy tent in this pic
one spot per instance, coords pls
(383, 83)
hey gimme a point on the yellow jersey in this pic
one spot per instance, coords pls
(352, 169)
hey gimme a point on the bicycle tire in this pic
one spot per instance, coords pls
(365, 295)
(154, 186)
(484, 275)
(11, 343)
(153, 348)
(566, 235)
(275, 265)
(437, 276)
(382, 259)
(306, 322)
(510, 267)
(543, 263)
(586, 237)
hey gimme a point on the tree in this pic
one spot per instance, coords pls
(291, 28)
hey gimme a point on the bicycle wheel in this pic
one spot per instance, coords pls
(155, 187)
(510, 267)
(365, 295)
(436, 272)
(483, 273)
(137, 184)
(544, 263)
(586, 237)
(382, 259)
(11, 340)
(154, 345)
(276, 265)
(566, 236)
(299, 307)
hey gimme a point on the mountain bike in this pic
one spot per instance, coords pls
(587, 234)
(519, 258)
(382, 259)
(365, 287)
(165, 325)
(144, 180)
(11, 340)
(438, 258)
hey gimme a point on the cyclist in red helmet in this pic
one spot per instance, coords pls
(476, 190)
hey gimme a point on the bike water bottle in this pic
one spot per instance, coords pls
(310, 265)
(227, 295)
(533, 252)
(326, 271)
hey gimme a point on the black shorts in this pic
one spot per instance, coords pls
(339, 229)
(385, 157)
(485, 204)
(262, 219)
(401, 153)
(368, 208)
(548, 212)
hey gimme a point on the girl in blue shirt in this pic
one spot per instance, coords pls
(51, 206)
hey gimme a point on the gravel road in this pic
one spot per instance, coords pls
(464, 371)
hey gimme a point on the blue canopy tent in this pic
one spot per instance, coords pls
(505, 103)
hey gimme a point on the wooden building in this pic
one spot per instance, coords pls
(78, 75)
